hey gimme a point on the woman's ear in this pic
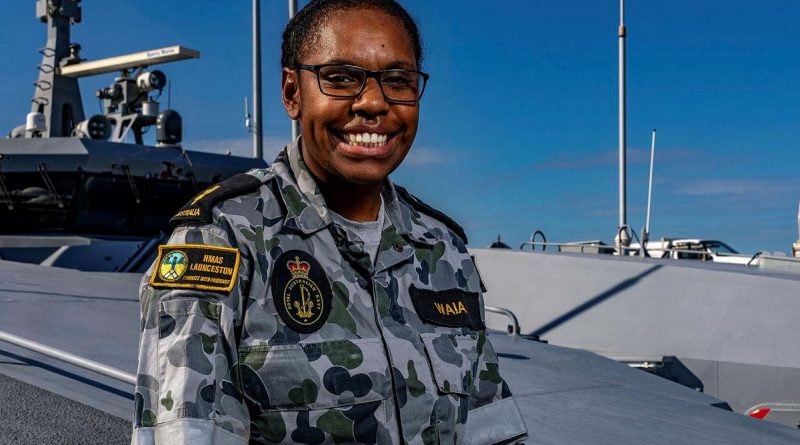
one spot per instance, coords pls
(290, 87)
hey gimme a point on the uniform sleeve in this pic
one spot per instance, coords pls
(187, 391)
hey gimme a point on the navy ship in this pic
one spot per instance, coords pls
(83, 211)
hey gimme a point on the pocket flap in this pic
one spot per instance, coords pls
(315, 375)
(496, 422)
(453, 361)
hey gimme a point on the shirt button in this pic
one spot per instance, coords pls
(398, 247)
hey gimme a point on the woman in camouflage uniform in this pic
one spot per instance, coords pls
(315, 301)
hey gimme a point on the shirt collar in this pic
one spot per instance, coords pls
(307, 211)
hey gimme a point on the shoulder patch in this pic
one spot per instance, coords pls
(420, 206)
(198, 210)
(196, 266)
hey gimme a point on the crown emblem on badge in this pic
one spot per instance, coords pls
(299, 269)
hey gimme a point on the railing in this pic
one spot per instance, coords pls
(64, 356)
(502, 311)
(580, 246)
(777, 407)
(595, 247)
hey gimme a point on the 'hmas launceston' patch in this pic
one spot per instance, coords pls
(300, 291)
(196, 266)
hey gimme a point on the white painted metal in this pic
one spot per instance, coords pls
(650, 184)
(621, 238)
(730, 325)
(796, 246)
(136, 60)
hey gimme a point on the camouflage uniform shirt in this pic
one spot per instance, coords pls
(266, 324)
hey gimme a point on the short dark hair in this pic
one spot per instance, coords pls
(303, 27)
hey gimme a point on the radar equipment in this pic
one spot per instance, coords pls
(169, 128)
(57, 110)
(129, 61)
(128, 105)
(62, 171)
(96, 127)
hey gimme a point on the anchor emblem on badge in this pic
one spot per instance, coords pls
(301, 291)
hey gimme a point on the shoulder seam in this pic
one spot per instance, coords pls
(421, 207)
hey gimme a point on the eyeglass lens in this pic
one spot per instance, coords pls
(346, 81)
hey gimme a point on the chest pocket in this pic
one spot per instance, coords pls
(454, 361)
(312, 376)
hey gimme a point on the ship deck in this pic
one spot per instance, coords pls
(567, 396)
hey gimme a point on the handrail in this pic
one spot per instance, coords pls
(507, 313)
(757, 255)
(586, 245)
(774, 406)
(533, 243)
(64, 356)
(580, 245)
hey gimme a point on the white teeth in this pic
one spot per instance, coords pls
(367, 139)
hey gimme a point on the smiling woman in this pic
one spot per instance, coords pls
(352, 312)
(343, 85)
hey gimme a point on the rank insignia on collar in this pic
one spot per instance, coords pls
(301, 291)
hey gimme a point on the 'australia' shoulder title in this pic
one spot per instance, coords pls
(198, 210)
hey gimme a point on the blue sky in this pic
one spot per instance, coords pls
(519, 124)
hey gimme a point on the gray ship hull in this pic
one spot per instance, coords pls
(727, 330)
(567, 396)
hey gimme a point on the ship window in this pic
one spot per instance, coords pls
(719, 247)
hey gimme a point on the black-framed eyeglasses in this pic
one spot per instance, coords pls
(348, 81)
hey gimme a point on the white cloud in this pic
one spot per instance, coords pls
(716, 187)
(577, 160)
(421, 157)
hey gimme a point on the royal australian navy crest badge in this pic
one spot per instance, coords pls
(301, 291)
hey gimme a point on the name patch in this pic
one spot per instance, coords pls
(301, 291)
(195, 266)
(453, 308)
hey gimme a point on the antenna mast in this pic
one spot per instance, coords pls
(292, 12)
(258, 147)
(646, 231)
(623, 238)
